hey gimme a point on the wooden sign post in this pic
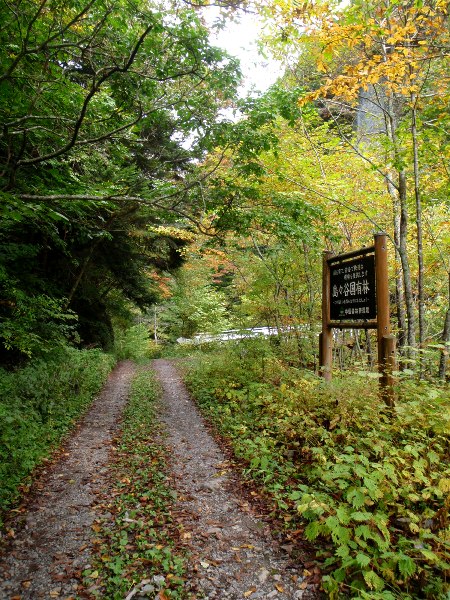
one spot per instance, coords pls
(355, 295)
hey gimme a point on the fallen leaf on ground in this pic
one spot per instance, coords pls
(249, 592)
(279, 587)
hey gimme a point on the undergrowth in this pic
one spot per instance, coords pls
(38, 405)
(372, 487)
(134, 343)
(136, 545)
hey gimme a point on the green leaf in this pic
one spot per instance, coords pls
(362, 559)
(406, 566)
(429, 555)
(342, 551)
(312, 530)
(340, 534)
(356, 498)
(373, 581)
(361, 516)
(343, 515)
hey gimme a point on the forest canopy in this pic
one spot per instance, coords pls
(97, 101)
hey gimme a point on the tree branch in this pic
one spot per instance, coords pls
(39, 48)
(94, 89)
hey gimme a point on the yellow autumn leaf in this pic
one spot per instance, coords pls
(444, 485)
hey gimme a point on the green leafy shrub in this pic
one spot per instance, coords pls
(134, 343)
(372, 485)
(38, 404)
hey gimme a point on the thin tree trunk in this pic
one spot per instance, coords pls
(399, 285)
(80, 275)
(403, 251)
(445, 338)
(88, 257)
(369, 351)
(421, 273)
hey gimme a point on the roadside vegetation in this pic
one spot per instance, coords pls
(137, 541)
(370, 486)
(39, 403)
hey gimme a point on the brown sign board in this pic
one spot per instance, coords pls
(352, 289)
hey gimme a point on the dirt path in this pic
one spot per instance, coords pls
(233, 553)
(52, 539)
(235, 556)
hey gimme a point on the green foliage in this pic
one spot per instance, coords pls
(139, 540)
(38, 405)
(372, 485)
(195, 307)
(134, 343)
(36, 324)
(95, 102)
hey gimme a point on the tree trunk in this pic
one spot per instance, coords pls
(399, 285)
(402, 229)
(445, 338)
(123, 213)
(403, 251)
(421, 273)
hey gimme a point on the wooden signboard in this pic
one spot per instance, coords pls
(352, 288)
(355, 295)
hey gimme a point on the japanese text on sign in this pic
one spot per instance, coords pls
(352, 289)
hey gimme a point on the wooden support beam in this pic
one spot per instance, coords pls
(326, 337)
(386, 342)
(389, 365)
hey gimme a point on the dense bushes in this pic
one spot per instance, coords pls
(134, 343)
(372, 486)
(38, 403)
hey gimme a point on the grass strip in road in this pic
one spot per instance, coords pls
(136, 539)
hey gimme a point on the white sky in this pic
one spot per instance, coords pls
(239, 39)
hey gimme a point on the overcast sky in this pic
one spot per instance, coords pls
(239, 39)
